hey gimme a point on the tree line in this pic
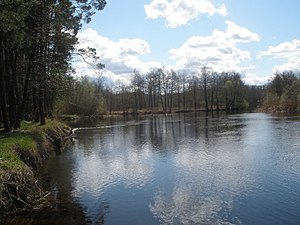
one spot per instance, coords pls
(163, 91)
(169, 91)
(283, 93)
(37, 39)
(166, 91)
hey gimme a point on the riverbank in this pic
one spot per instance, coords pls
(22, 152)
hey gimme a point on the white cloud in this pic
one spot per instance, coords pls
(120, 57)
(180, 12)
(237, 33)
(288, 51)
(253, 79)
(219, 50)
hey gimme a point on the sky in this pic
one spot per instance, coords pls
(253, 37)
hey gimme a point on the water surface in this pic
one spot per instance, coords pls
(178, 169)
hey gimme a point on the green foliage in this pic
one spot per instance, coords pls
(88, 7)
(254, 95)
(228, 85)
(283, 93)
(13, 14)
(24, 142)
(37, 39)
(271, 102)
(84, 98)
(59, 107)
(241, 104)
(281, 81)
(289, 99)
(165, 91)
(100, 105)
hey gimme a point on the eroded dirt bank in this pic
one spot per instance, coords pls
(22, 153)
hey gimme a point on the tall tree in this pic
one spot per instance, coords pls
(205, 78)
(37, 38)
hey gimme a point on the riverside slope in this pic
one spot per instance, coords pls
(22, 152)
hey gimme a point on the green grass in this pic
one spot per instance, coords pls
(23, 141)
(9, 159)
(27, 139)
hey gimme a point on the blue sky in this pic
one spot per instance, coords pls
(253, 37)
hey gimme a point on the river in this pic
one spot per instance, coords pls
(178, 169)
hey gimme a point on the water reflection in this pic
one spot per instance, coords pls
(179, 169)
(106, 160)
(126, 155)
(209, 176)
(189, 169)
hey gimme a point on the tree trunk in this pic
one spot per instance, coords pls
(226, 101)
(42, 106)
(171, 101)
(178, 97)
(3, 97)
(212, 100)
(195, 98)
(25, 96)
(35, 102)
(205, 94)
(217, 101)
(11, 65)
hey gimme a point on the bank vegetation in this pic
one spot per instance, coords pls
(167, 91)
(283, 93)
(37, 43)
(22, 152)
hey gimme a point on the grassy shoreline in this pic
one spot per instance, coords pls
(22, 152)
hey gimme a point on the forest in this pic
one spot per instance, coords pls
(37, 40)
(163, 91)
(37, 43)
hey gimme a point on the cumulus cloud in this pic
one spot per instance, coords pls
(180, 12)
(120, 57)
(219, 50)
(288, 51)
(253, 79)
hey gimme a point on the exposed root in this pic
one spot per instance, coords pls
(20, 191)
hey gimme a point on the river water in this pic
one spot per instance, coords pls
(178, 169)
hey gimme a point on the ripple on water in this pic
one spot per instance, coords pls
(240, 169)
